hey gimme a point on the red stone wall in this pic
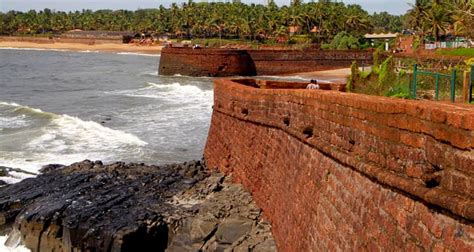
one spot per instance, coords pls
(205, 62)
(345, 171)
(275, 62)
(230, 62)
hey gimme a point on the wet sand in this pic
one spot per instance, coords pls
(83, 47)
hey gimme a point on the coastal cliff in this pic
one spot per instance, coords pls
(350, 171)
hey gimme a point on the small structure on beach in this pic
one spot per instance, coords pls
(382, 36)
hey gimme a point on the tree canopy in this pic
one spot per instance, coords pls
(437, 18)
(322, 20)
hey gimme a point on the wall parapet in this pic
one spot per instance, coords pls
(207, 61)
(423, 150)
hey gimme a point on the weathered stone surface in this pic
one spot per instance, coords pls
(226, 219)
(340, 171)
(205, 62)
(89, 206)
(232, 230)
(231, 62)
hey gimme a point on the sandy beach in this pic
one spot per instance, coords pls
(337, 75)
(83, 47)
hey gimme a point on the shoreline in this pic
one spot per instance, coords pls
(79, 47)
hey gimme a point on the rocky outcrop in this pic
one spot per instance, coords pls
(89, 206)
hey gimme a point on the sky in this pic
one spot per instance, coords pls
(391, 6)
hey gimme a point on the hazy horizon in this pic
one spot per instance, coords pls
(390, 6)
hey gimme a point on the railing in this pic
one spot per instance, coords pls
(436, 45)
(451, 77)
(471, 81)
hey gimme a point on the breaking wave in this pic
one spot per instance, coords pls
(50, 138)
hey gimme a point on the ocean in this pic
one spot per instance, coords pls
(60, 107)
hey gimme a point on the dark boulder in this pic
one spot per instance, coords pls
(89, 206)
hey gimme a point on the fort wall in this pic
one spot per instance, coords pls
(275, 62)
(210, 62)
(336, 170)
(205, 62)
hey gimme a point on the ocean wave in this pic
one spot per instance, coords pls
(89, 51)
(174, 93)
(139, 54)
(13, 122)
(4, 248)
(25, 110)
(63, 139)
(154, 74)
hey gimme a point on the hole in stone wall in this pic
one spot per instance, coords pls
(245, 111)
(286, 121)
(308, 132)
(436, 168)
(432, 183)
(352, 142)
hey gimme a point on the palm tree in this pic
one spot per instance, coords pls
(436, 19)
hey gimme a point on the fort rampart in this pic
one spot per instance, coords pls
(336, 170)
(275, 62)
(205, 62)
(232, 62)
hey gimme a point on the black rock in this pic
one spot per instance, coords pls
(50, 168)
(89, 206)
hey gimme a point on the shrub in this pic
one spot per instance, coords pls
(343, 41)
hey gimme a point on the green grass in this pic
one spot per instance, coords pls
(469, 52)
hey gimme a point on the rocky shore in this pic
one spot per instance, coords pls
(89, 206)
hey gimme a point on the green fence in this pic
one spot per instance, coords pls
(437, 76)
(471, 83)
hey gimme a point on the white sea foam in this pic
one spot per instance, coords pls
(64, 139)
(172, 93)
(154, 73)
(89, 51)
(13, 122)
(139, 54)
(4, 248)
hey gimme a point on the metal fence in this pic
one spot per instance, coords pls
(437, 76)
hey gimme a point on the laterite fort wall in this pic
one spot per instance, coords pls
(345, 171)
(232, 62)
(275, 62)
(205, 62)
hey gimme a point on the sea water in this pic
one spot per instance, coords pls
(60, 107)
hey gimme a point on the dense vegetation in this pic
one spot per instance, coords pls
(440, 17)
(320, 21)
